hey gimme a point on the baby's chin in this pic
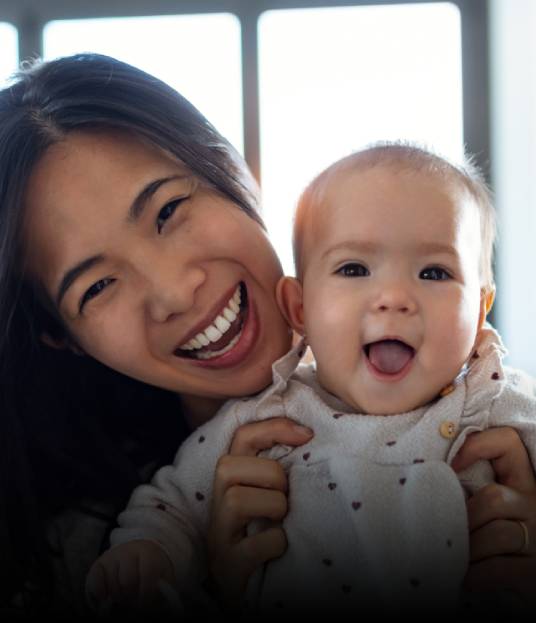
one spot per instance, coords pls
(386, 405)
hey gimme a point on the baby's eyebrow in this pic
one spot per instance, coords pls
(437, 247)
(357, 246)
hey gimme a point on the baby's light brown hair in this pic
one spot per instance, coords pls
(404, 157)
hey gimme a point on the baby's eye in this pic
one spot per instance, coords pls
(94, 291)
(353, 269)
(434, 273)
(167, 212)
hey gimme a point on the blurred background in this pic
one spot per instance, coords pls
(297, 84)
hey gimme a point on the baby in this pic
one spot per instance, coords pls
(393, 250)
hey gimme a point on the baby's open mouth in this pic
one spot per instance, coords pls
(389, 356)
(222, 333)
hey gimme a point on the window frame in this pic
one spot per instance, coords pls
(30, 20)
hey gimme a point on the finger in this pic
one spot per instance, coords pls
(242, 504)
(498, 502)
(115, 591)
(128, 578)
(153, 568)
(255, 550)
(497, 538)
(96, 586)
(105, 580)
(251, 438)
(248, 471)
(514, 573)
(504, 448)
(232, 571)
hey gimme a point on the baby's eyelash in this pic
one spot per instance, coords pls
(435, 273)
(353, 269)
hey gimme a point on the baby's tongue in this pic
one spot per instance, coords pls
(389, 356)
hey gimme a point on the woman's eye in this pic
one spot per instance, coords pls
(434, 273)
(167, 212)
(353, 269)
(94, 291)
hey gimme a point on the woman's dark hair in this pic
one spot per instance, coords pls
(71, 430)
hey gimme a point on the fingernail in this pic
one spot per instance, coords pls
(303, 430)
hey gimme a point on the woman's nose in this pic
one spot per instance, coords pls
(172, 290)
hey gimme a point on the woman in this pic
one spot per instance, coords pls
(127, 226)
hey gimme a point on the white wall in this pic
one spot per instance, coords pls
(513, 87)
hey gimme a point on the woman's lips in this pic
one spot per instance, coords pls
(194, 340)
(241, 350)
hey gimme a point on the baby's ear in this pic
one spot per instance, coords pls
(61, 343)
(487, 297)
(289, 297)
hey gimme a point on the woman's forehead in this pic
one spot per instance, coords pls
(85, 167)
(84, 155)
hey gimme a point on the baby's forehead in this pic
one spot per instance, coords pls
(366, 196)
(354, 189)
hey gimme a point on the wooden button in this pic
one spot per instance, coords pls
(447, 429)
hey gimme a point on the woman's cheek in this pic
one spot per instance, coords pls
(113, 340)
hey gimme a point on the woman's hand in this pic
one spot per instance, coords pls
(247, 487)
(503, 555)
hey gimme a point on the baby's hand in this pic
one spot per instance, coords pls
(129, 576)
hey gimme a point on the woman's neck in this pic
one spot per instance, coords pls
(198, 409)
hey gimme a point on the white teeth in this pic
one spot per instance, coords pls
(213, 333)
(218, 327)
(222, 324)
(229, 314)
(201, 337)
(216, 353)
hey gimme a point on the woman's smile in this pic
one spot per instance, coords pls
(218, 334)
(229, 338)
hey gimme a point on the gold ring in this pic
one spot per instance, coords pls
(526, 540)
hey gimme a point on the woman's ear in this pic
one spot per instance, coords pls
(289, 295)
(61, 344)
(487, 297)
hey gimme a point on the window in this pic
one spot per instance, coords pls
(359, 74)
(9, 56)
(199, 55)
(514, 175)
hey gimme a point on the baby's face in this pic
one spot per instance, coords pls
(391, 287)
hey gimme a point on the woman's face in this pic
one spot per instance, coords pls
(155, 274)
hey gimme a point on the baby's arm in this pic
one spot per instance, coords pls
(158, 544)
(161, 535)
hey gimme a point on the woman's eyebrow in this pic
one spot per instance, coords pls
(139, 203)
(73, 273)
